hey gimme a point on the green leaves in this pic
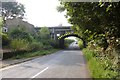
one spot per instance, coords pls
(44, 33)
(60, 8)
(1, 24)
(100, 67)
(99, 25)
(20, 34)
(13, 9)
(94, 19)
(19, 45)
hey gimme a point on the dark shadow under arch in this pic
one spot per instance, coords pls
(61, 40)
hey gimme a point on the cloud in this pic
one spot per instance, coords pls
(43, 12)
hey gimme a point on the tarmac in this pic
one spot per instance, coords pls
(9, 62)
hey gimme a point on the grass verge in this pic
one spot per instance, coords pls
(97, 66)
(34, 54)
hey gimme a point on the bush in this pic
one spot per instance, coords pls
(35, 46)
(19, 45)
(45, 42)
(44, 33)
(5, 40)
(99, 66)
(19, 34)
(80, 44)
(54, 44)
(46, 47)
(68, 42)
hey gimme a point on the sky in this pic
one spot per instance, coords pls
(43, 13)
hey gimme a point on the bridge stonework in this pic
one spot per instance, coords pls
(57, 31)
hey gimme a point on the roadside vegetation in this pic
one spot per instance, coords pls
(80, 43)
(0, 36)
(68, 42)
(100, 67)
(24, 45)
(98, 23)
(19, 40)
(34, 54)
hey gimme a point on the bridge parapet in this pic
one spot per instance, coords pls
(59, 33)
(55, 32)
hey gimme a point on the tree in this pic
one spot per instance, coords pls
(44, 33)
(12, 9)
(20, 33)
(95, 20)
(99, 24)
(1, 23)
(44, 36)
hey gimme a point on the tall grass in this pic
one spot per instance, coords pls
(19, 45)
(97, 66)
(35, 46)
(34, 54)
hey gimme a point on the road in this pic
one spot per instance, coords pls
(62, 64)
(74, 46)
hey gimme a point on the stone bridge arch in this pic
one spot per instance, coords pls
(61, 39)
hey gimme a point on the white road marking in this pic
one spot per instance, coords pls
(39, 72)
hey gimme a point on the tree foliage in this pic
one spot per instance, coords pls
(12, 9)
(19, 45)
(1, 25)
(99, 24)
(93, 21)
(19, 33)
(44, 33)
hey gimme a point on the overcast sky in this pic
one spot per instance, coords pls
(43, 13)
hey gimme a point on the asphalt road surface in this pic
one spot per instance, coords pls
(62, 64)
(74, 46)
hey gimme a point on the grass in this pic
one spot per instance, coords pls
(34, 54)
(97, 67)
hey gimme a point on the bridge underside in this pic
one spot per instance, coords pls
(62, 41)
(56, 32)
